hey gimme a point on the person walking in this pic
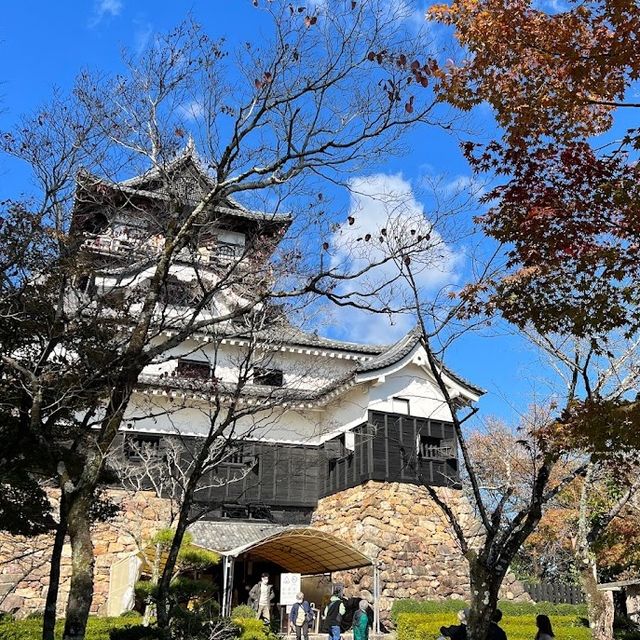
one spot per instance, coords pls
(301, 617)
(333, 613)
(545, 632)
(496, 632)
(260, 598)
(361, 622)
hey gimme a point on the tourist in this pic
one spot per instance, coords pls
(301, 617)
(333, 613)
(545, 632)
(496, 632)
(361, 622)
(457, 631)
(260, 598)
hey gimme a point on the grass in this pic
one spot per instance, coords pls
(31, 628)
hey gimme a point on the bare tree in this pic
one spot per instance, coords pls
(599, 427)
(556, 444)
(584, 424)
(308, 107)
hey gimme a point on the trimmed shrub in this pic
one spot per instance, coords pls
(134, 632)
(507, 607)
(253, 629)
(426, 606)
(243, 611)
(548, 608)
(31, 629)
(426, 626)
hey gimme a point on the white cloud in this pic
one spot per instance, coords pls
(141, 36)
(103, 9)
(191, 110)
(465, 186)
(385, 206)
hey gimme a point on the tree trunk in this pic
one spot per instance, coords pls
(599, 603)
(49, 620)
(162, 601)
(81, 589)
(155, 575)
(485, 584)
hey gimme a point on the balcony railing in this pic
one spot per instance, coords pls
(124, 245)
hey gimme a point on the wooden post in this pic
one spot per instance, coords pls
(376, 597)
(228, 563)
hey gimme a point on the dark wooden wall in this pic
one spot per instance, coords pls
(281, 475)
(385, 450)
(294, 477)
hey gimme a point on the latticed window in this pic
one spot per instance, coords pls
(430, 447)
(225, 250)
(193, 369)
(137, 447)
(178, 293)
(241, 459)
(268, 377)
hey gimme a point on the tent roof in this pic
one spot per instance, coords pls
(304, 550)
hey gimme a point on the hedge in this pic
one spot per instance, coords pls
(426, 626)
(31, 628)
(508, 608)
(253, 629)
(243, 611)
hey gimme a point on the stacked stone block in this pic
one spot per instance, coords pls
(24, 562)
(401, 527)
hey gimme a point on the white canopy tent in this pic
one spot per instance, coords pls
(302, 550)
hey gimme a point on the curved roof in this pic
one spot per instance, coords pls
(186, 165)
(403, 348)
(305, 550)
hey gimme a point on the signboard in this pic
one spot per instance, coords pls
(289, 587)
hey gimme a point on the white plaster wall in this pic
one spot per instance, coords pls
(232, 237)
(310, 425)
(301, 371)
(413, 384)
(159, 414)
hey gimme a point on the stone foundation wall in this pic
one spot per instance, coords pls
(24, 562)
(400, 526)
(397, 524)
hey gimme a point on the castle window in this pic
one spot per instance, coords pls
(225, 250)
(178, 293)
(430, 447)
(259, 512)
(137, 447)
(193, 369)
(400, 405)
(240, 459)
(235, 511)
(268, 377)
(86, 285)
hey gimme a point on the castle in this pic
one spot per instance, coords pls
(342, 436)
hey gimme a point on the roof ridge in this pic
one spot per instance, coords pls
(189, 152)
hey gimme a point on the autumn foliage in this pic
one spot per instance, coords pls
(570, 223)
(543, 73)
(568, 215)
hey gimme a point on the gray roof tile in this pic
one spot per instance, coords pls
(224, 536)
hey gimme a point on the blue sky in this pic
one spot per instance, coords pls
(45, 44)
